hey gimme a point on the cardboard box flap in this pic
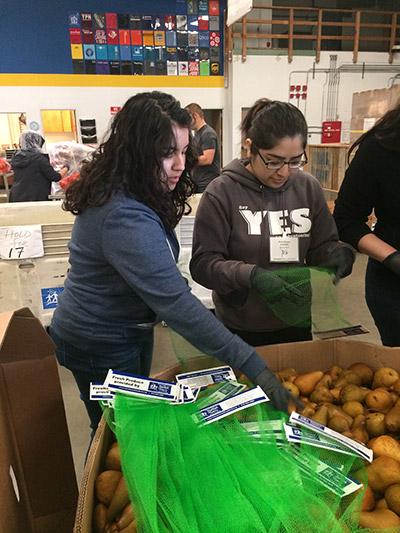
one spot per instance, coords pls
(389, 357)
(22, 336)
(299, 355)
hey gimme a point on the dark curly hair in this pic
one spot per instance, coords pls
(131, 158)
(269, 121)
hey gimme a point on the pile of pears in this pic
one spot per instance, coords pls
(363, 405)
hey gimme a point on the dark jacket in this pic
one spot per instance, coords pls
(33, 175)
(372, 181)
(235, 220)
(124, 278)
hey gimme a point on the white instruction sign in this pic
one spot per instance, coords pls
(21, 242)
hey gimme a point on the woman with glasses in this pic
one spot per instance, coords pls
(263, 214)
(371, 183)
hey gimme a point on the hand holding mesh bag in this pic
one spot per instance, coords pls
(287, 292)
(271, 287)
(341, 259)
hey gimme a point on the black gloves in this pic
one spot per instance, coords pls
(392, 262)
(341, 258)
(278, 395)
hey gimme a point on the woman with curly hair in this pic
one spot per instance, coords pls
(123, 252)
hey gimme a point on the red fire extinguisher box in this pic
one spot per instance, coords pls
(331, 131)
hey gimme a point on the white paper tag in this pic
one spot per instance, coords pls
(284, 249)
(21, 242)
(355, 447)
(224, 390)
(99, 392)
(186, 394)
(144, 387)
(232, 405)
(327, 475)
(299, 435)
(266, 429)
(208, 376)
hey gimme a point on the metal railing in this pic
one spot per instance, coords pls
(291, 18)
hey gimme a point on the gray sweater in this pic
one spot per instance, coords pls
(124, 277)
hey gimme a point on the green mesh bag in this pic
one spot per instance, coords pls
(187, 477)
(301, 297)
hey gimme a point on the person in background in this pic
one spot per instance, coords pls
(123, 251)
(264, 214)
(5, 166)
(207, 148)
(372, 182)
(33, 173)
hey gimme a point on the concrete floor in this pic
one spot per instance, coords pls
(351, 297)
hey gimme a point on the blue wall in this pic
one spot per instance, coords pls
(34, 33)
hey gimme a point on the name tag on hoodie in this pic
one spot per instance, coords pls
(284, 249)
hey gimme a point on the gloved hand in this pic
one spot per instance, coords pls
(392, 262)
(278, 395)
(341, 258)
(271, 287)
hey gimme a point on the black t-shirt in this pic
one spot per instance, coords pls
(206, 139)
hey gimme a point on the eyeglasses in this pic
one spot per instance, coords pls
(293, 164)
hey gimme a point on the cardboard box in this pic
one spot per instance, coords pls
(37, 476)
(303, 356)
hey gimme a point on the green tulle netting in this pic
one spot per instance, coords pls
(186, 477)
(306, 298)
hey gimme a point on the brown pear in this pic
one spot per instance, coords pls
(335, 410)
(392, 497)
(387, 446)
(379, 400)
(396, 387)
(338, 423)
(364, 371)
(325, 381)
(375, 424)
(382, 472)
(352, 377)
(287, 374)
(368, 501)
(321, 415)
(306, 382)
(360, 434)
(380, 504)
(321, 394)
(292, 388)
(392, 418)
(358, 421)
(385, 377)
(394, 396)
(379, 519)
(308, 411)
(353, 408)
(353, 392)
(335, 372)
(335, 393)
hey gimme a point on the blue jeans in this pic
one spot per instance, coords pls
(93, 364)
(382, 293)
